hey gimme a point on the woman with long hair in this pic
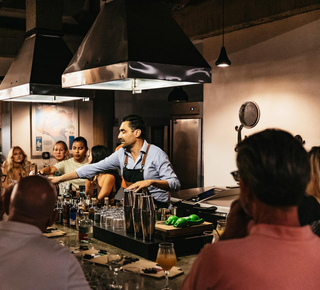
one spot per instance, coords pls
(15, 166)
(106, 183)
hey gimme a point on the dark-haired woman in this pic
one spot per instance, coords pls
(106, 183)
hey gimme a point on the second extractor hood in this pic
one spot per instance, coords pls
(135, 45)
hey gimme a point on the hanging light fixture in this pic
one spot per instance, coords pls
(178, 95)
(223, 60)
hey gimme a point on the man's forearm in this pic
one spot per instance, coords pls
(64, 177)
(162, 184)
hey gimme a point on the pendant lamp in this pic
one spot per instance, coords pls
(223, 60)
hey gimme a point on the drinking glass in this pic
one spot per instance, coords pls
(131, 278)
(115, 262)
(221, 226)
(166, 259)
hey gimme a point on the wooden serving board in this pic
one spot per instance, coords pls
(102, 259)
(54, 234)
(171, 232)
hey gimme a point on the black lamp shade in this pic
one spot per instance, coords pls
(223, 59)
(178, 95)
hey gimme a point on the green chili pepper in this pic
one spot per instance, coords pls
(181, 222)
(171, 220)
(192, 217)
(195, 222)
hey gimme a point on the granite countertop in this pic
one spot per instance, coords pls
(71, 240)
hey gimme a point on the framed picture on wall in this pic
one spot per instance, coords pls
(51, 123)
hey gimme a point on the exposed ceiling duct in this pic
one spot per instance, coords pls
(35, 74)
(135, 45)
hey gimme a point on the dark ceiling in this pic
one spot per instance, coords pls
(198, 18)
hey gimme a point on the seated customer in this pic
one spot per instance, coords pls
(79, 151)
(15, 166)
(264, 246)
(28, 259)
(60, 151)
(106, 183)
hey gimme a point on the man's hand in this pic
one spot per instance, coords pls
(237, 222)
(140, 185)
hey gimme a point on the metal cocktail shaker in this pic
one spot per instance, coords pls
(148, 218)
(127, 208)
(136, 214)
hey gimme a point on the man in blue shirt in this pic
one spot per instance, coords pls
(142, 165)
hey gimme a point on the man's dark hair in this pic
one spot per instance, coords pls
(99, 152)
(136, 122)
(275, 166)
(81, 139)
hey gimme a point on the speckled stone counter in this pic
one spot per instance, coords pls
(71, 240)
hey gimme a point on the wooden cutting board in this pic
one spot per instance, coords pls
(54, 234)
(171, 232)
(141, 264)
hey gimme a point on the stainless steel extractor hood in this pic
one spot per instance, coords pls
(135, 45)
(35, 74)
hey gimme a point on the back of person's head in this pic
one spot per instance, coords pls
(313, 187)
(32, 201)
(136, 122)
(99, 152)
(81, 139)
(275, 166)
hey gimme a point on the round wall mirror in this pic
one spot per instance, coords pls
(249, 115)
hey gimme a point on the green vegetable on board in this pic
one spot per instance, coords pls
(171, 220)
(181, 222)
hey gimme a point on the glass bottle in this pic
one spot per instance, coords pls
(65, 213)
(104, 213)
(85, 229)
(92, 208)
(80, 211)
(73, 214)
(59, 210)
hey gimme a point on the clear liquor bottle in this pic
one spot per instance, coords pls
(81, 209)
(85, 229)
(59, 210)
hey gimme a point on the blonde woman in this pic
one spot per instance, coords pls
(14, 166)
(60, 151)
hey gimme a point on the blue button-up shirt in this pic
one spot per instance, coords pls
(157, 166)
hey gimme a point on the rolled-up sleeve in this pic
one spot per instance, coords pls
(166, 172)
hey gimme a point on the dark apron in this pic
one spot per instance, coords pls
(131, 176)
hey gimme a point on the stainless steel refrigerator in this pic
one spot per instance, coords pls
(186, 143)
